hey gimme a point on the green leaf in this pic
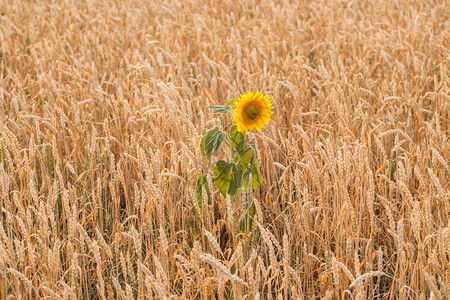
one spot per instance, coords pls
(223, 108)
(256, 175)
(251, 214)
(253, 146)
(246, 220)
(247, 156)
(238, 140)
(236, 180)
(220, 108)
(199, 190)
(252, 210)
(232, 101)
(202, 144)
(243, 222)
(245, 178)
(211, 142)
(202, 182)
(222, 173)
(228, 177)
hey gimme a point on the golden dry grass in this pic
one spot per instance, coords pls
(103, 105)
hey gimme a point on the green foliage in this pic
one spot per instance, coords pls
(247, 156)
(222, 108)
(237, 139)
(256, 174)
(231, 102)
(228, 177)
(246, 219)
(202, 182)
(222, 173)
(243, 171)
(211, 142)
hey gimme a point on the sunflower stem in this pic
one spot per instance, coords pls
(233, 246)
(249, 190)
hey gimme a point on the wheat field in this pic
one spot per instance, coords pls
(103, 104)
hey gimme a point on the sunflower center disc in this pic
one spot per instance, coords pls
(252, 112)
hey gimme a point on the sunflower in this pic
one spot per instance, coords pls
(253, 110)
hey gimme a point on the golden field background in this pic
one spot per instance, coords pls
(103, 105)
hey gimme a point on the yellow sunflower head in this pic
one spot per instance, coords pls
(253, 110)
